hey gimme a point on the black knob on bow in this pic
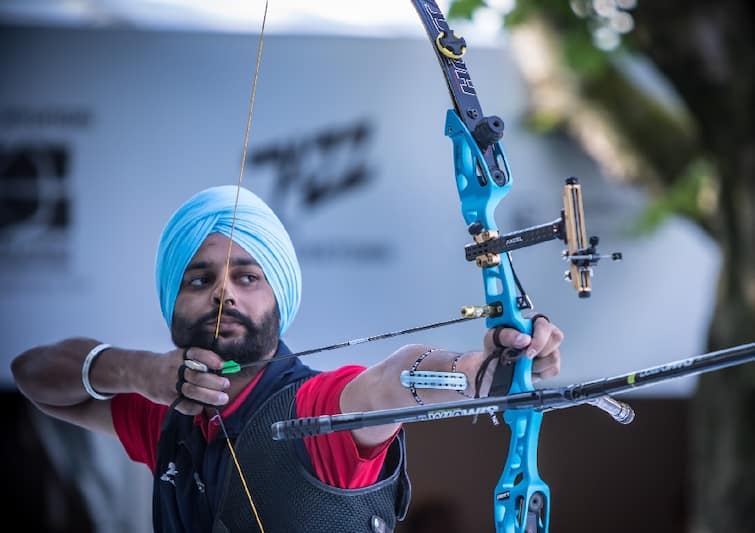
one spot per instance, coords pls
(475, 228)
(456, 46)
(488, 131)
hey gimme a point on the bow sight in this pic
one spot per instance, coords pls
(581, 252)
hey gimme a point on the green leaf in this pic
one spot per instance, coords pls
(691, 196)
(464, 9)
(581, 55)
(543, 122)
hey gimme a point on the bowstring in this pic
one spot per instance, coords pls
(239, 183)
(240, 180)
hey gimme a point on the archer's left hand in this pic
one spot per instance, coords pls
(543, 346)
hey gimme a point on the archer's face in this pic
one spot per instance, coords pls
(249, 323)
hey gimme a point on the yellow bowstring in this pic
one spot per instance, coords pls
(230, 249)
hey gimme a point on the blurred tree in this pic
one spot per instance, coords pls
(688, 139)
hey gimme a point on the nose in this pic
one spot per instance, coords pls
(223, 292)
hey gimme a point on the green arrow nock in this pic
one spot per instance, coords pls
(230, 367)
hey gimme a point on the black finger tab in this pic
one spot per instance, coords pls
(181, 379)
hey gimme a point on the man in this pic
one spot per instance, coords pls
(218, 469)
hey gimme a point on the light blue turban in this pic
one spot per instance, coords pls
(258, 231)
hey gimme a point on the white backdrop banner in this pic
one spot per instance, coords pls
(104, 133)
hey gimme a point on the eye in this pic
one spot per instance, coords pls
(196, 281)
(248, 278)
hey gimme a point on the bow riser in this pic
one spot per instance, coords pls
(521, 499)
(479, 196)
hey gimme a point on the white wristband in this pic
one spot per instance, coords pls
(91, 356)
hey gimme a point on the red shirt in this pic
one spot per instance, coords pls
(335, 456)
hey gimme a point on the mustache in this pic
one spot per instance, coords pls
(212, 316)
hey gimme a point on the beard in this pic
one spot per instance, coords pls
(261, 338)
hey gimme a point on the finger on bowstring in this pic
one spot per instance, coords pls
(205, 379)
(205, 396)
(203, 392)
(207, 357)
(200, 374)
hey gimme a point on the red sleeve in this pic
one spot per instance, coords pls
(335, 456)
(137, 423)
